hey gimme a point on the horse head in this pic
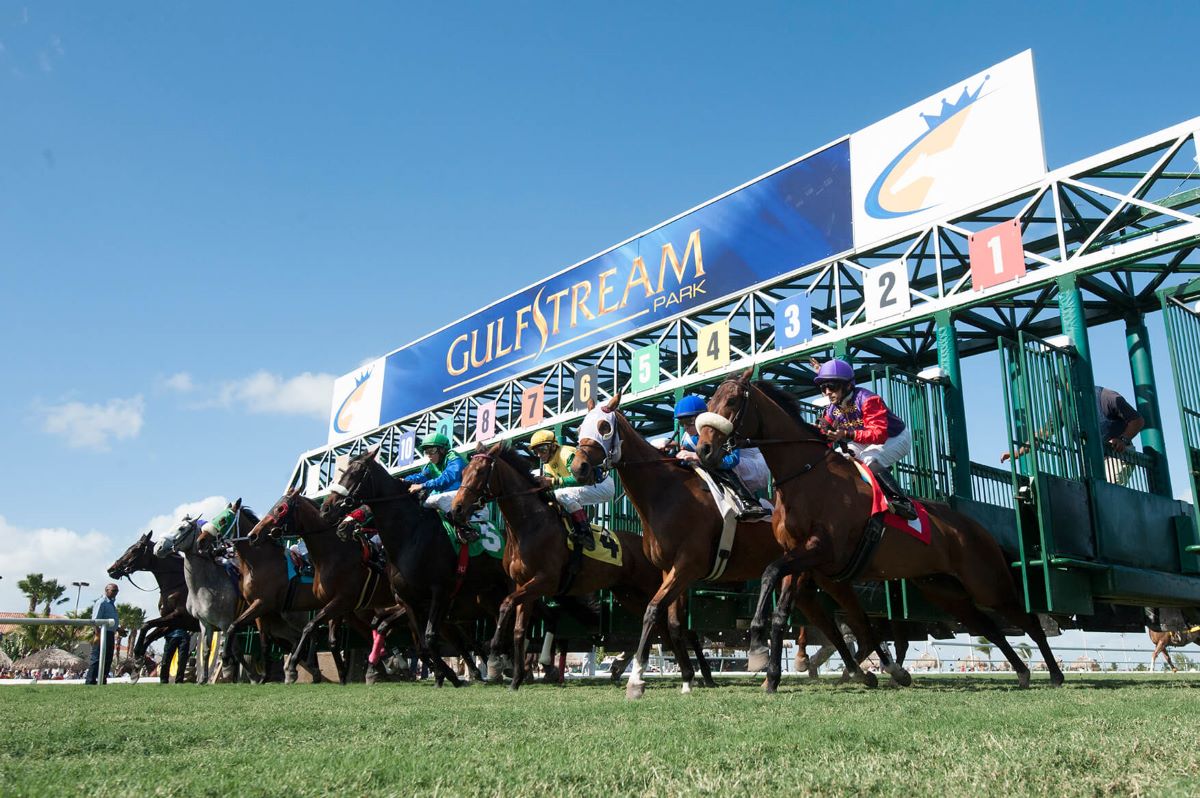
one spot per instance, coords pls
(730, 411)
(220, 528)
(284, 519)
(358, 483)
(599, 442)
(180, 539)
(476, 487)
(135, 558)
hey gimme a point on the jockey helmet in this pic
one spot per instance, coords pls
(835, 370)
(690, 405)
(542, 437)
(437, 439)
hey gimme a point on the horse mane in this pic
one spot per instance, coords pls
(253, 516)
(789, 403)
(518, 462)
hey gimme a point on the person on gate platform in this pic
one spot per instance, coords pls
(178, 641)
(687, 410)
(876, 436)
(440, 478)
(555, 473)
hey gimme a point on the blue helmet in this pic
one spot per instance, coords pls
(690, 405)
(835, 371)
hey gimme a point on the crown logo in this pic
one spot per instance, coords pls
(949, 109)
(361, 378)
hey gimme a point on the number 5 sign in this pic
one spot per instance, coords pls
(885, 290)
(644, 366)
(997, 255)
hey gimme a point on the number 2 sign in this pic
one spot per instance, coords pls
(997, 255)
(885, 290)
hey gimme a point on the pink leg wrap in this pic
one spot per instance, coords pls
(376, 648)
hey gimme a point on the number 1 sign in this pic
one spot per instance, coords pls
(997, 255)
(885, 290)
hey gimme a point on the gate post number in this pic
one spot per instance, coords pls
(997, 255)
(885, 290)
(793, 321)
(485, 421)
(712, 350)
(585, 387)
(532, 400)
(644, 369)
(406, 448)
(446, 427)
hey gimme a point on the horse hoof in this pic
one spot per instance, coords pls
(289, 677)
(868, 679)
(757, 660)
(494, 668)
(771, 686)
(686, 689)
(371, 676)
(901, 677)
(1023, 680)
(708, 682)
(635, 690)
(814, 674)
(1056, 680)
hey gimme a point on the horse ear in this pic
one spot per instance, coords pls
(591, 404)
(372, 452)
(237, 505)
(613, 403)
(480, 448)
(747, 375)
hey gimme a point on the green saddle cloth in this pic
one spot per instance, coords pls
(489, 542)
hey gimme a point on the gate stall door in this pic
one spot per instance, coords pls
(925, 471)
(1182, 320)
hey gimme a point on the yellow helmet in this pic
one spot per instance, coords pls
(541, 437)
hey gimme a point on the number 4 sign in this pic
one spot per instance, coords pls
(885, 290)
(997, 255)
(713, 351)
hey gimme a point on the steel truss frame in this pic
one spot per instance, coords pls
(1125, 223)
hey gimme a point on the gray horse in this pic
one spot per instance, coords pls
(212, 595)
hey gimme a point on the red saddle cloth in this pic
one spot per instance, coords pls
(920, 528)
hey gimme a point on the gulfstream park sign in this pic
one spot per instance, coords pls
(973, 141)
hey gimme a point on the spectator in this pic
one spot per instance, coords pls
(104, 608)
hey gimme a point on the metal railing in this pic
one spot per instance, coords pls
(106, 626)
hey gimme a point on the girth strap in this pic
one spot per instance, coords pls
(867, 544)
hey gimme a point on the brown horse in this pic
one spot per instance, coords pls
(821, 512)
(1173, 639)
(537, 557)
(422, 562)
(342, 582)
(172, 591)
(266, 589)
(681, 529)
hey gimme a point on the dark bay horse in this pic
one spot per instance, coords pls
(423, 563)
(274, 603)
(343, 584)
(821, 512)
(537, 556)
(681, 529)
(172, 591)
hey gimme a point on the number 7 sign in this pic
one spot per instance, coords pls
(997, 255)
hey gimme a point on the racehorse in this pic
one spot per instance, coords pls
(172, 591)
(212, 595)
(537, 558)
(343, 582)
(1173, 639)
(274, 602)
(822, 509)
(681, 528)
(424, 566)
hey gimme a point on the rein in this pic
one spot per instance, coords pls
(744, 393)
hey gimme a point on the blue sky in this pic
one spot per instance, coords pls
(209, 209)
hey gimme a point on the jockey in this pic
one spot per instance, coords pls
(440, 478)
(555, 471)
(687, 410)
(876, 436)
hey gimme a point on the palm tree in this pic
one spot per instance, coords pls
(129, 620)
(1024, 651)
(33, 586)
(52, 594)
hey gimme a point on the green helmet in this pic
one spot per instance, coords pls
(437, 439)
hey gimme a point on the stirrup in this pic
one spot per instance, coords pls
(585, 541)
(467, 534)
(903, 507)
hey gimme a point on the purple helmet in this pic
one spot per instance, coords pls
(835, 371)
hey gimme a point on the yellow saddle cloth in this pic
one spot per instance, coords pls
(608, 546)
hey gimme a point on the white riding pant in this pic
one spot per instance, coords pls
(445, 501)
(574, 498)
(886, 454)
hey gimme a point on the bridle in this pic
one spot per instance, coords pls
(488, 493)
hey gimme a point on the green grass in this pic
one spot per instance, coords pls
(945, 736)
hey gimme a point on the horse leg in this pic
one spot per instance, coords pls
(523, 611)
(494, 665)
(706, 679)
(806, 600)
(305, 638)
(1167, 658)
(757, 655)
(864, 631)
(339, 662)
(524, 596)
(438, 609)
(800, 663)
(466, 650)
(202, 655)
(779, 621)
(900, 641)
(230, 651)
(670, 589)
(675, 637)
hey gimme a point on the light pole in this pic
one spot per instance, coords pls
(78, 592)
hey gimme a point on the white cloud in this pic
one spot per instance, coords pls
(180, 382)
(65, 555)
(306, 394)
(85, 426)
(203, 508)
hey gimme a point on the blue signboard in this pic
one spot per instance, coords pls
(793, 321)
(788, 219)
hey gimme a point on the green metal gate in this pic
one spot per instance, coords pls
(1183, 339)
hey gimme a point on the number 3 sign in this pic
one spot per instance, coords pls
(997, 255)
(885, 290)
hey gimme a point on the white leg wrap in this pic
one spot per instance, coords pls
(636, 676)
(547, 655)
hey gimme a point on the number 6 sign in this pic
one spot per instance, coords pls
(997, 255)
(885, 290)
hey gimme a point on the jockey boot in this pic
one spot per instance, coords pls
(467, 533)
(581, 530)
(897, 498)
(748, 507)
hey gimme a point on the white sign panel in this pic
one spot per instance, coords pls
(885, 290)
(357, 397)
(977, 139)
